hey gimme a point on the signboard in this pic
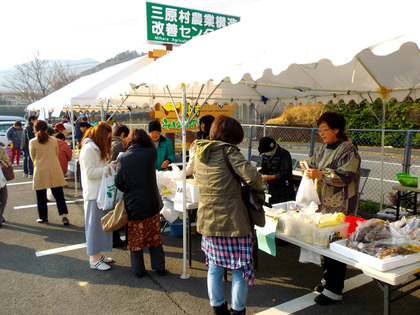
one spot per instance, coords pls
(168, 120)
(177, 25)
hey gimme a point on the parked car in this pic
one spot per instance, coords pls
(12, 118)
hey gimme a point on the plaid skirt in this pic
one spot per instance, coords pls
(146, 232)
(231, 253)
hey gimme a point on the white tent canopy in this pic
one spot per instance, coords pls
(289, 51)
(83, 92)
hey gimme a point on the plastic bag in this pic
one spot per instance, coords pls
(307, 192)
(307, 256)
(107, 189)
(168, 211)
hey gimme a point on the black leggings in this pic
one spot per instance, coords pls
(41, 197)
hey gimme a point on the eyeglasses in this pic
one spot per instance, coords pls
(323, 130)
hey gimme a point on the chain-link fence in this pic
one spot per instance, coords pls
(400, 153)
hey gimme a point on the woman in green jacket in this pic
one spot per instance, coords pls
(222, 217)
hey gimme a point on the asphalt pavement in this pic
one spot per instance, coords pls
(44, 269)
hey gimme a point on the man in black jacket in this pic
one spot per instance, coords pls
(28, 166)
(276, 170)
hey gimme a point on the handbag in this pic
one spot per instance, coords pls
(253, 198)
(115, 219)
(8, 172)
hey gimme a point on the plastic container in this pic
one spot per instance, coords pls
(176, 228)
(279, 210)
(407, 180)
(324, 236)
(353, 224)
(320, 237)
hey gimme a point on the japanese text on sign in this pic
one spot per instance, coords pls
(177, 25)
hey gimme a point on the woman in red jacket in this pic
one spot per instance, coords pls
(64, 151)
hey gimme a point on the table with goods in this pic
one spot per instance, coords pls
(170, 187)
(387, 252)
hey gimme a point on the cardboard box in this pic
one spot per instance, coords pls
(192, 193)
(376, 263)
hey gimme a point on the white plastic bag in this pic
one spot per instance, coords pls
(307, 192)
(2, 179)
(168, 211)
(307, 256)
(107, 189)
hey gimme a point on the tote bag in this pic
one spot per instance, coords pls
(115, 219)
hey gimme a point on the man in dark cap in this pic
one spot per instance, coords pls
(276, 170)
(164, 146)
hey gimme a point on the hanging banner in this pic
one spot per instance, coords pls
(177, 25)
(169, 121)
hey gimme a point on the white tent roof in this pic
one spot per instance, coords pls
(306, 50)
(84, 91)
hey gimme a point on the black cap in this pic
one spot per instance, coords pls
(154, 125)
(266, 144)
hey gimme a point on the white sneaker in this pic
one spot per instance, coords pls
(25, 175)
(106, 259)
(30, 176)
(99, 265)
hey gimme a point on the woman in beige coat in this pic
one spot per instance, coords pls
(47, 173)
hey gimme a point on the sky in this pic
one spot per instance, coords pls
(78, 29)
(100, 29)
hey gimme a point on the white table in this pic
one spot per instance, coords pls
(189, 208)
(398, 277)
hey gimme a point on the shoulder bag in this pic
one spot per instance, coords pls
(115, 219)
(8, 172)
(253, 198)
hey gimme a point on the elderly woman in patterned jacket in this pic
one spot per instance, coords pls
(335, 166)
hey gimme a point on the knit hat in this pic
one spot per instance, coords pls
(266, 144)
(59, 127)
(154, 125)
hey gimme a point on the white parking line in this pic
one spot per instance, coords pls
(59, 250)
(307, 300)
(23, 183)
(49, 204)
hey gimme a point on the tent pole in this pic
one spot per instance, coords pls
(184, 185)
(74, 150)
(382, 154)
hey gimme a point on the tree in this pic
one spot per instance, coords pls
(38, 78)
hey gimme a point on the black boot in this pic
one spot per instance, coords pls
(233, 312)
(221, 310)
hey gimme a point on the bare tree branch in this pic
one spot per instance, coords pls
(38, 78)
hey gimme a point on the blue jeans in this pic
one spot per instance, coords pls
(215, 287)
(28, 166)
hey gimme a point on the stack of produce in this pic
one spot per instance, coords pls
(382, 239)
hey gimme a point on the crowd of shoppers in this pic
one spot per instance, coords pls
(222, 217)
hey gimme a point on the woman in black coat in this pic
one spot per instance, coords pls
(136, 178)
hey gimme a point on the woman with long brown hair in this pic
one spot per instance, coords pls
(43, 150)
(142, 201)
(95, 152)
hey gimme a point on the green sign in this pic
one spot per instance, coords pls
(175, 25)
